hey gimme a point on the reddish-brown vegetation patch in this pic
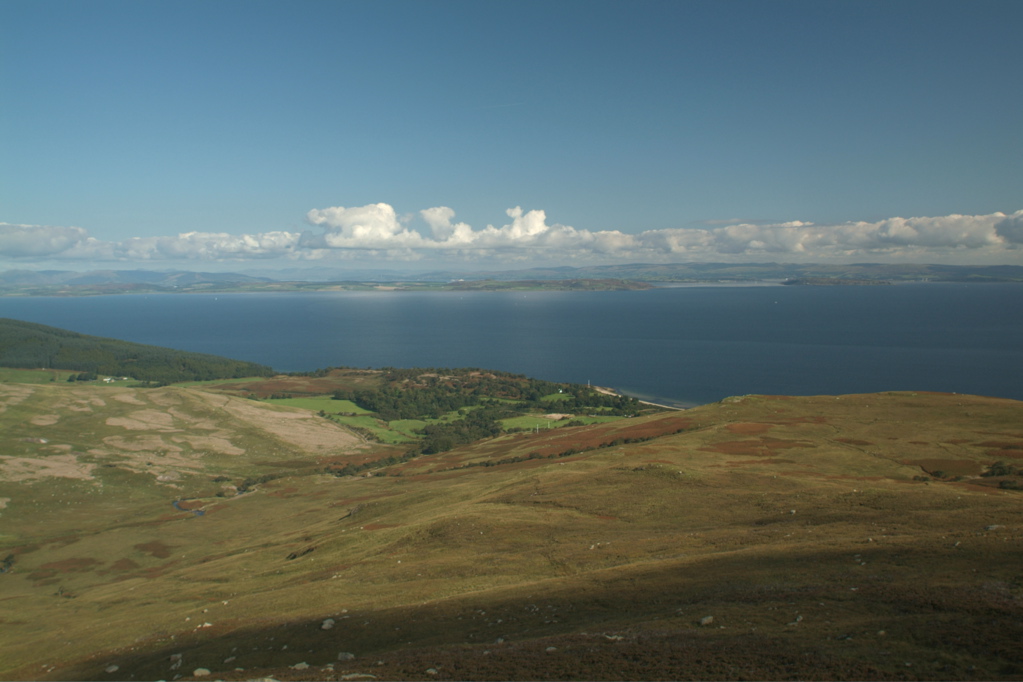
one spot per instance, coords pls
(847, 477)
(64, 541)
(159, 571)
(283, 492)
(983, 485)
(749, 428)
(589, 438)
(654, 428)
(769, 460)
(155, 549)
(303, 386)
(737, 447)
(1004, 452)
(812, 419)
(122, 565)
(74, 565)
(761, 446)
(781, 444)
(1000, 449)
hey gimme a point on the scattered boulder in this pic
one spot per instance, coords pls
(432, 671)
(300, 553)
(706, 620)
(346, 656)
(112, 668)
(327, 624)
(300, 666)
(201, 672)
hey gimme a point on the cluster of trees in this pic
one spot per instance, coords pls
(29, 346)
(473, 381)
(476, 425)
(1001, 468)
(394, 403)
(430, 393)
(83, 376)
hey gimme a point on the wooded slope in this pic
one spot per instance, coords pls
(29, 345)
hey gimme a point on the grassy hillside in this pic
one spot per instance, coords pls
(850, 537)
(28, 345)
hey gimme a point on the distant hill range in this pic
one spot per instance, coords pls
(744, 272)
(26, 345)
(67, 283)
(56, 282)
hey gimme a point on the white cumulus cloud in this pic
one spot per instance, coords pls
(375, 232)
(19, 241)
(375, 226)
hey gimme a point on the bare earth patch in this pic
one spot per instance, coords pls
(299, 428)
(140, 444)
(44, 420)
(215, 443)
(144, 420)
(127, 397)
(37, 468)
(12, 394)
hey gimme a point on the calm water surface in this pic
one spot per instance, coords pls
(687, 345)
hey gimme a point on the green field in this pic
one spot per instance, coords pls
(33, 376)
(381, 431)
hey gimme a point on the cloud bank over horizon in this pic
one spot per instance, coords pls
(376, 235)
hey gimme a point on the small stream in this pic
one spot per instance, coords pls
(197, 512)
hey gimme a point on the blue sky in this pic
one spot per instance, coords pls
(233, 135)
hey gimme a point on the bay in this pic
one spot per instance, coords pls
(678, 345)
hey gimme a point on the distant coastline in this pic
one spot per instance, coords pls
(834, 281)
(632, 277)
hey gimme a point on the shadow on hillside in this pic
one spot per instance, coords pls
(821, 615)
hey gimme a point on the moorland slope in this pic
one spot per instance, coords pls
(151, 534)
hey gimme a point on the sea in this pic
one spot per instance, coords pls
(676, 345)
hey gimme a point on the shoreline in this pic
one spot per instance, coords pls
(610, 391)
